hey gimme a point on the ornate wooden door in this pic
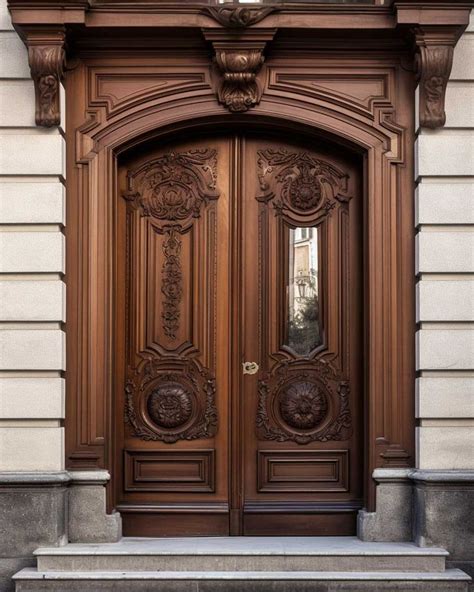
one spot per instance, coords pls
(239, 332)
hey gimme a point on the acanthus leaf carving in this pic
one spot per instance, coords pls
(433, 62)
(172, 190)
(171, 400)
(303, 405)
(239, 89)
(238, 17)
(239, 58)
(307, 184)
(46, 55)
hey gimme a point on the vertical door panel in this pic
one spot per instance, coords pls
(172, 316)
(302, 326)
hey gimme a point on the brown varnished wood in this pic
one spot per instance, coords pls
(353, 109)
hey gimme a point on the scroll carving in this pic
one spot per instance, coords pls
(434, 61)
(238, 17)
(303, 405)
(239, 58)
(307, 184)
(46, 56)
(171, 400)
(172, 190)
(239, 89)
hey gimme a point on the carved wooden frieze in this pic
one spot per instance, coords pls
(46, 56)
(305, 184)
(238, 17)
(434, 61)
(172, 190)
(171, 400)
(303, 402)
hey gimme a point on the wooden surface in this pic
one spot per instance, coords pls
(354, 110)
(216, 297)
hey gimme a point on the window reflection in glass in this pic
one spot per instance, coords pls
(303, 325)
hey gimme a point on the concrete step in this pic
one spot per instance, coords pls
(31, 580)
(235, 554)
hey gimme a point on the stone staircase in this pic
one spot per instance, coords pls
(240, 564)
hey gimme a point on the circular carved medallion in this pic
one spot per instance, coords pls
(303, 405)
(304, 188)
(170, 405)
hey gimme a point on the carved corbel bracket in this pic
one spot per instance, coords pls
(46, 56)
(433, 61)
(239, 58)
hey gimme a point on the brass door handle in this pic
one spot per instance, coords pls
(249, 367)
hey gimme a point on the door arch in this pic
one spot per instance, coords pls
(386, 166)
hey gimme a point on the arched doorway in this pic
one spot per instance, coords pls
(238, 388)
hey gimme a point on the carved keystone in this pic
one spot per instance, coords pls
(46, 55)
(434, 59)
(239, 59)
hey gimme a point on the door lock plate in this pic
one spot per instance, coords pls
(250, 367)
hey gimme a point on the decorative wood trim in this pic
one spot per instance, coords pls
(239, 59)
(433, 61)
(238, 17)
(46, 55)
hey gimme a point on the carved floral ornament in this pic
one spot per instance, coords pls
(172, 190)
(307, 184)
(303, 404)
(171, 404)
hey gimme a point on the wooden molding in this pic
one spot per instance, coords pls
(238, 17)
(239, 59)
(434, 60)
(46, 55)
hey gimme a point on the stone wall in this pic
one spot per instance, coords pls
(32, 311)
(445, 267)
(444, 483)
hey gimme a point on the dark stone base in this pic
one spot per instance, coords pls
(10, 566)
(33, 511)
(444, 512)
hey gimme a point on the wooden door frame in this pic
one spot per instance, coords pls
(315, 49)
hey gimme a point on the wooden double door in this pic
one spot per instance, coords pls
(239, 337)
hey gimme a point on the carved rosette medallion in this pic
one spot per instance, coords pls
(303, 404)
(172, 190)
(171, 405)
(306, 184)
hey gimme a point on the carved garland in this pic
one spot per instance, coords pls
(172, 190)
(307, 183)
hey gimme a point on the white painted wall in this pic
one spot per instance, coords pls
(445, 268)
(32, 305)
(32, 265)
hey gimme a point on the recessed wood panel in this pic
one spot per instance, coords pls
(172, 470)
(312, 471)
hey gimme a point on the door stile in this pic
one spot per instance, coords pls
(237, 151)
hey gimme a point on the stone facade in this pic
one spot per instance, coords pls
(32, 315)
